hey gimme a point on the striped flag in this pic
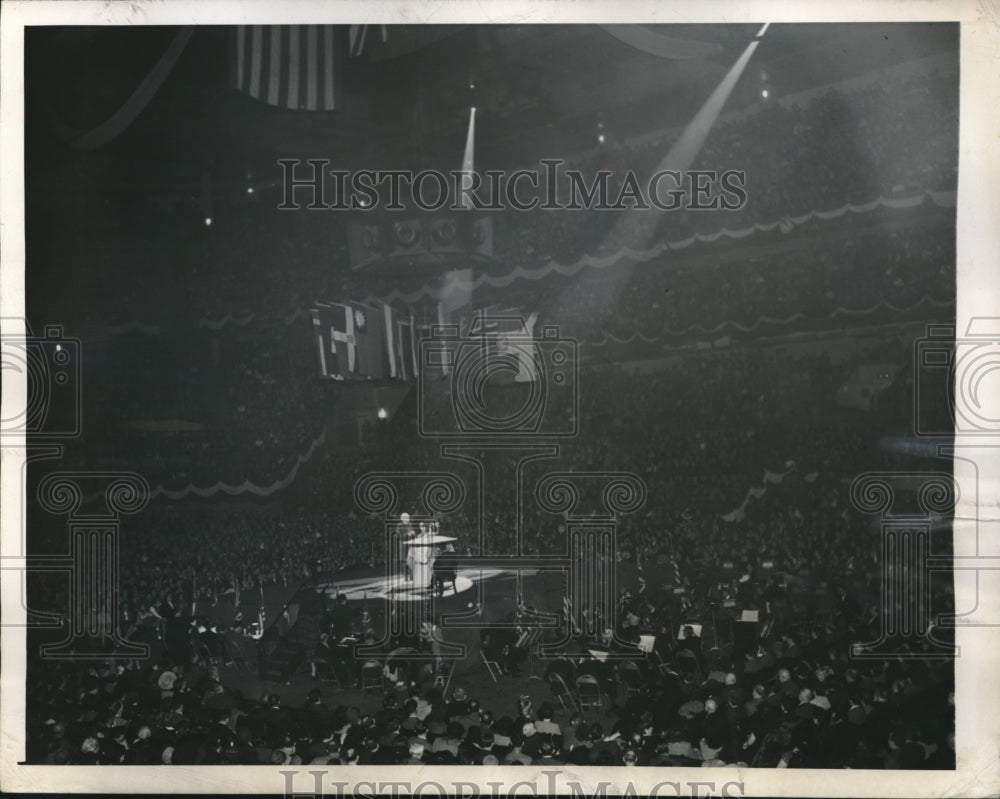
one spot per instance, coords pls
(369, 338)
(400, 342)
(298, 67)
(333, 326)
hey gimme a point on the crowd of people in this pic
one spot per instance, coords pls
(796, 699)
(849, 145)
(742, 448)
(792, 697)
(802, 707)
(244, 403)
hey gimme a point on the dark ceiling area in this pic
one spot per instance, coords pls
(540, 91)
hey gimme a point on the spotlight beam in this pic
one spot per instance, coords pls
(584, 297)
(681, 156)
(469, 158)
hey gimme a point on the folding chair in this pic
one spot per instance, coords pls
(657, 661)
(588, 691)
(561, 691)
(442, 678)
(326, 673)
(371, 677)
(491, 666)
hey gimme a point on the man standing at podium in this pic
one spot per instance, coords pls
(406, 532)
(421, 560)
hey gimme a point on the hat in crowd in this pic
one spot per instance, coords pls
(167, 680)
(821, 702)
(491, 760)
(417, 750)
(459, 695)
(691, 708)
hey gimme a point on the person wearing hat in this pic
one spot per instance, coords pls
(473, 717)
(165, 683)
(532, 740)
(390, 733)
(548, 755)
(419, 736)
(374, 754)
(391, 711)
(547, 728)
(410, 716)
(458, 707)
(416, 754)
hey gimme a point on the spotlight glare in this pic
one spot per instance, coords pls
(383, 413)
(600, 138)
(764, 93)
(208, 221)
(249, 189)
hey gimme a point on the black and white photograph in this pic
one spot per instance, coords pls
(552, 402)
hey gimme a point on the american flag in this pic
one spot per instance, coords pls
(298, 67)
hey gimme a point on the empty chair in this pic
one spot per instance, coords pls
(491, 666)
(588, 691)
(371, 677)
(561, 691)
(442, 677)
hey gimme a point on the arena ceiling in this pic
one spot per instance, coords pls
(540, 90)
